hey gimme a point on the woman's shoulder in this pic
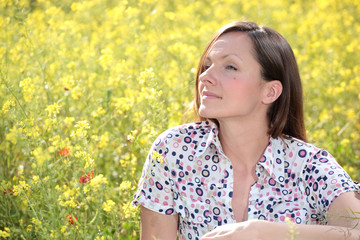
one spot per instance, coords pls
(309, 153)
(301, 147)
(312, 162)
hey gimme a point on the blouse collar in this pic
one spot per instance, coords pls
(273, 159)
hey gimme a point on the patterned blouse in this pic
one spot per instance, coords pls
(188, 174)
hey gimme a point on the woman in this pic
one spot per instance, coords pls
(245, 169)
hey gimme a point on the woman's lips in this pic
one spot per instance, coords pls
(209, 95)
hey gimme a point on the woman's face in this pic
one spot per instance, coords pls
(231, 85)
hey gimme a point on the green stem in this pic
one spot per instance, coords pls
(37, 217)
(12, 93)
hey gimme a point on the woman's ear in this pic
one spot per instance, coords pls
(273, 90)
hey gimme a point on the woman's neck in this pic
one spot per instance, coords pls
(243, 143)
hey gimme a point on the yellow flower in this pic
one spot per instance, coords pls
(350, 170)
(157, 156)
(345, 142)
(51, 149)
(106, 58)
(99, 112)
(69, 120)
(81, 127)
(71, 65)
(128, 210)
(125, 185)
(63, 229)
(37, 222)
(123, 104)
(53, 234)
(76, 93)
(12, 136)
(29, 228)
(40, 155)
(67, 198)
(337, 109)
(67, 82)
(97, 181)
(104, 140)
(53, 109)
(324, 115)
(6, 233)
(292, 229)
(100, 238)
(25, 203)
(35, 179)
(7, 105)
(350, 114)
(89, 162)
(146, 76)
(77, 7)
(131, 137)
(28, 88)
(50, 124)
(71, 202)
(108, 205)
(21, 187)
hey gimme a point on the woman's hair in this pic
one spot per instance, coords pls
(277, 62)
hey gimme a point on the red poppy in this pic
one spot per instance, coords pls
(71, 221)
(65, 152)
(86, 178)
(8, 191)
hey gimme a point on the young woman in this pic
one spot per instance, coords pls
(245, 169)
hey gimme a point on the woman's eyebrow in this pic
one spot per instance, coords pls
(226, 56)
(231, 55)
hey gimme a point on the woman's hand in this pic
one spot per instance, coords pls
(252, 230)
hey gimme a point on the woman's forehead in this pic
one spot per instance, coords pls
(233, 43)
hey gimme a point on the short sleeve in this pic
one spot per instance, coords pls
(154, 188)
(325, 180)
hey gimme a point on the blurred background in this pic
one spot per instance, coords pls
(86, 86)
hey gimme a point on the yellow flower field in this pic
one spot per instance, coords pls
(86, 86)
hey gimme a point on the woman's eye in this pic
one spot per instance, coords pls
(230, 67)
(206, 67)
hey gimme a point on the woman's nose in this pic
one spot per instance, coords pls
(208, 77)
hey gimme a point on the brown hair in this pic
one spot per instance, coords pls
(277, 62)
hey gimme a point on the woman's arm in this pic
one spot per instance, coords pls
(158, 226)
(345, 212)
(343, 219)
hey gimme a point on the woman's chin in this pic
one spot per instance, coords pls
(207, 114)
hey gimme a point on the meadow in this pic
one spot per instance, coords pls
(86, 86)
